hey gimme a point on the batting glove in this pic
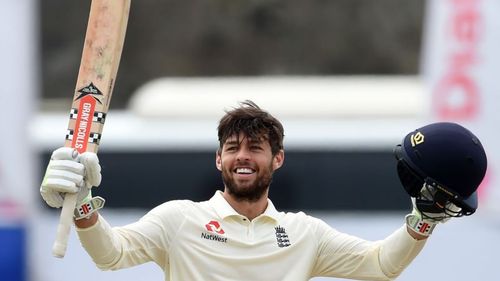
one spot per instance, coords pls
(70, 172)
(424, 223)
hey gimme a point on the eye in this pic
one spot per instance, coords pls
(255, 147)
(230, 148)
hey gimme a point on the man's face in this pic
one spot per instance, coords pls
(247, 166)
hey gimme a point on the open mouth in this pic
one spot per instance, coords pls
(244, 171)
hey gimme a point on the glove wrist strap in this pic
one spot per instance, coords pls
(419, 225)
(87, 208)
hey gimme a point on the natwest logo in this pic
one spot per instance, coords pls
(214, 226)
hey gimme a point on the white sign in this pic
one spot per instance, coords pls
(17, 95)
(461, 67)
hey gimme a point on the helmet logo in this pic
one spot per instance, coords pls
(416, 139)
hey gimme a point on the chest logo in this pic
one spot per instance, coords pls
(282, 237)
(214, 226)
(214, 232)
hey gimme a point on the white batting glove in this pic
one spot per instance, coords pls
(424, 223)
(70, 172)
(418, 224)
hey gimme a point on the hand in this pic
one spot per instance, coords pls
(70, 172)
(432, 206)
(427, 213)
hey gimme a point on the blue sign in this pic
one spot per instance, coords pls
(13, 253)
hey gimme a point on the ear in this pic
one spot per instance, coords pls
(218, 161)
(278, 160)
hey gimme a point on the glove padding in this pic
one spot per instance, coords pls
(70, 172)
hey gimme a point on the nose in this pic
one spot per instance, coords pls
(243, 154)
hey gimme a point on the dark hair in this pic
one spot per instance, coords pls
(254, 123)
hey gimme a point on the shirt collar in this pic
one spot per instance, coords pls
(224, 210)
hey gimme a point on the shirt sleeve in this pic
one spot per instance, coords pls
(346, 256)
(143, 241)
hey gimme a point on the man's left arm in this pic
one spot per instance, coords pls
(345, 256)
(399, 249)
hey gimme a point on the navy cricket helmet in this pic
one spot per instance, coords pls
(447, 158)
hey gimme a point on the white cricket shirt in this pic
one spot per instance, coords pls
(210, 241)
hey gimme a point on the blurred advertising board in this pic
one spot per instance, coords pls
(460, 67)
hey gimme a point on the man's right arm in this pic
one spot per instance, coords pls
(88, 222)
(146, 240)
(110, 248)
(98, 239)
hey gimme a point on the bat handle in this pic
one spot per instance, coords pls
(64, 227)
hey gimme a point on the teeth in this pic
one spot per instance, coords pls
(244, 171)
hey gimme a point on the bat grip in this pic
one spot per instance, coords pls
(64, 227)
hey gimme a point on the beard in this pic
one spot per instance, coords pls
(248, 191)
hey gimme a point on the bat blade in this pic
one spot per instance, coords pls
(101, 55)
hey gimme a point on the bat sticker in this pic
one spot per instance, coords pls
(93, 137)
(99, 117)
(91, 89)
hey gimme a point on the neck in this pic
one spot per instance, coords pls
(249, 209)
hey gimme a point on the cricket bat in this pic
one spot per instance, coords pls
(102, 50)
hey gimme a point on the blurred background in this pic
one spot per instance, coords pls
(348, 78)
